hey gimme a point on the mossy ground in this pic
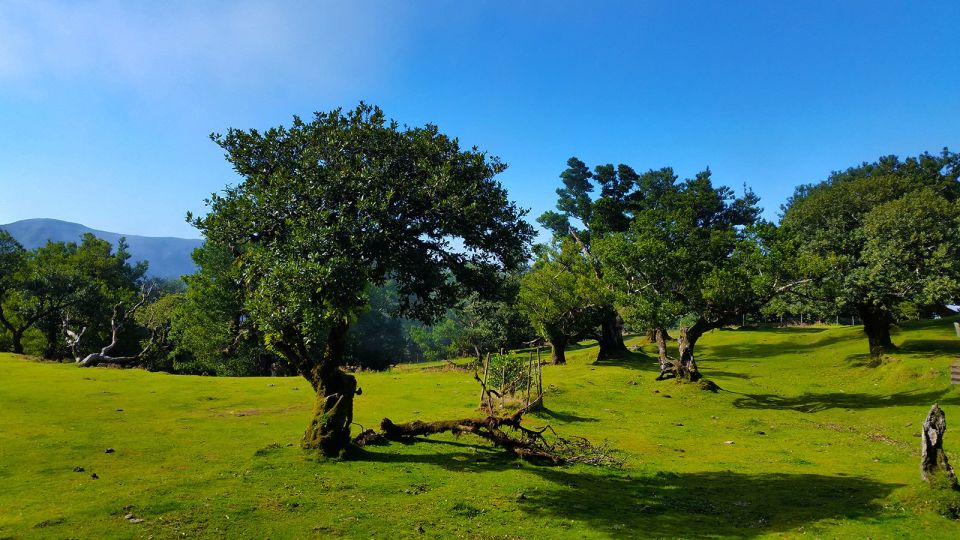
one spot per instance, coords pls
(805, 439)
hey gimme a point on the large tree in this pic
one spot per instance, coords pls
(693, 254)
(329, 207)
(876, 237)
(585, 218)
(563, 297)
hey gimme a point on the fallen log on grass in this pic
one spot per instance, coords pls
(529, 444)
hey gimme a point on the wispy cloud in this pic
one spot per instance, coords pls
(145, 44)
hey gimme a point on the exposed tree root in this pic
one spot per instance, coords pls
(529, 444)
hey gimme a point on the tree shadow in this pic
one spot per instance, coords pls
(730, 374)
(698, 504)
(758, 351)
(930, 348)
(814, 402)
(638, 360)
(703, 504)
(562, 416)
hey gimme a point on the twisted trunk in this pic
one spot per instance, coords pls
(686, 343)
(611, 337)
(660, 338)
(558, 342)
(876, 325)
(16, 339)
(329, 429)
(16, 334)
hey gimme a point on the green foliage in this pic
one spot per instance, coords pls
(562, 295)
(880, 236)
(209, 328)
(692, 252)
(330, 207)
(441, 341)
(475, 326)
(377, 339)
(510, 373)
(40, 288)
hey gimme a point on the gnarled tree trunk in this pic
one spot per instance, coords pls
(660, 338)
(558, 343)
(611, 337)
(329, 429)
(686, 342)
(876, 324)
(117, 320)
(933, 460)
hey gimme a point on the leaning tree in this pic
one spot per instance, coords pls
(693, 254)
(329, 207)
(584, 217)
(875, 237)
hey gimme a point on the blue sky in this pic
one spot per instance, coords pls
(105, 107)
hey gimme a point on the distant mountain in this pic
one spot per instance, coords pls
(168, 257)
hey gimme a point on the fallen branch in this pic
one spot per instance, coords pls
(529, 444)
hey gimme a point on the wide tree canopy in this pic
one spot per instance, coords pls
(693, 254)
(880, 235)
(327, 208)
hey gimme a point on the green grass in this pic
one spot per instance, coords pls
(823, 445)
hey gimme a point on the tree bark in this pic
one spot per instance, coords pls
(660, 338)
(611, 337)
(686, 343)
(329, 429)
(558, 343)
(933, 460)
(16, 334)
(16, 338)
(876, 324)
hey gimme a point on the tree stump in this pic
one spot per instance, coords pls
(933, 460)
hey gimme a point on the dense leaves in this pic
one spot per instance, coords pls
(327, 209)
(879, 237)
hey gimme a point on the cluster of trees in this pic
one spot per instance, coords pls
(879, 241)
(353, 240)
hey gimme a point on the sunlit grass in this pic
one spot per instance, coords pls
(805, 439)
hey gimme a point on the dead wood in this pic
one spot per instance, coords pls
(933, 459)
(117, 320)
(524, 443)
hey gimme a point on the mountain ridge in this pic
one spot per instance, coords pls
(167, 256)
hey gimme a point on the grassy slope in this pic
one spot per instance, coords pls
(823, 446)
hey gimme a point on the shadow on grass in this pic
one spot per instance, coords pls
(708, 373)
(930, 347)
(924, 348)
(630, 360)
(698, 504)
(759, 351)
(813, 402)
(562, 416)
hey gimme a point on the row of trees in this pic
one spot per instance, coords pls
(199, 325)
(879, 241)
(350, 229)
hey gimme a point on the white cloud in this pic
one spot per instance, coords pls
(164, 43)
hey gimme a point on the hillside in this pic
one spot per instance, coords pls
(804, 440)
(168, 257)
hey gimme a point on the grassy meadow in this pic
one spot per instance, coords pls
(804, 440)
